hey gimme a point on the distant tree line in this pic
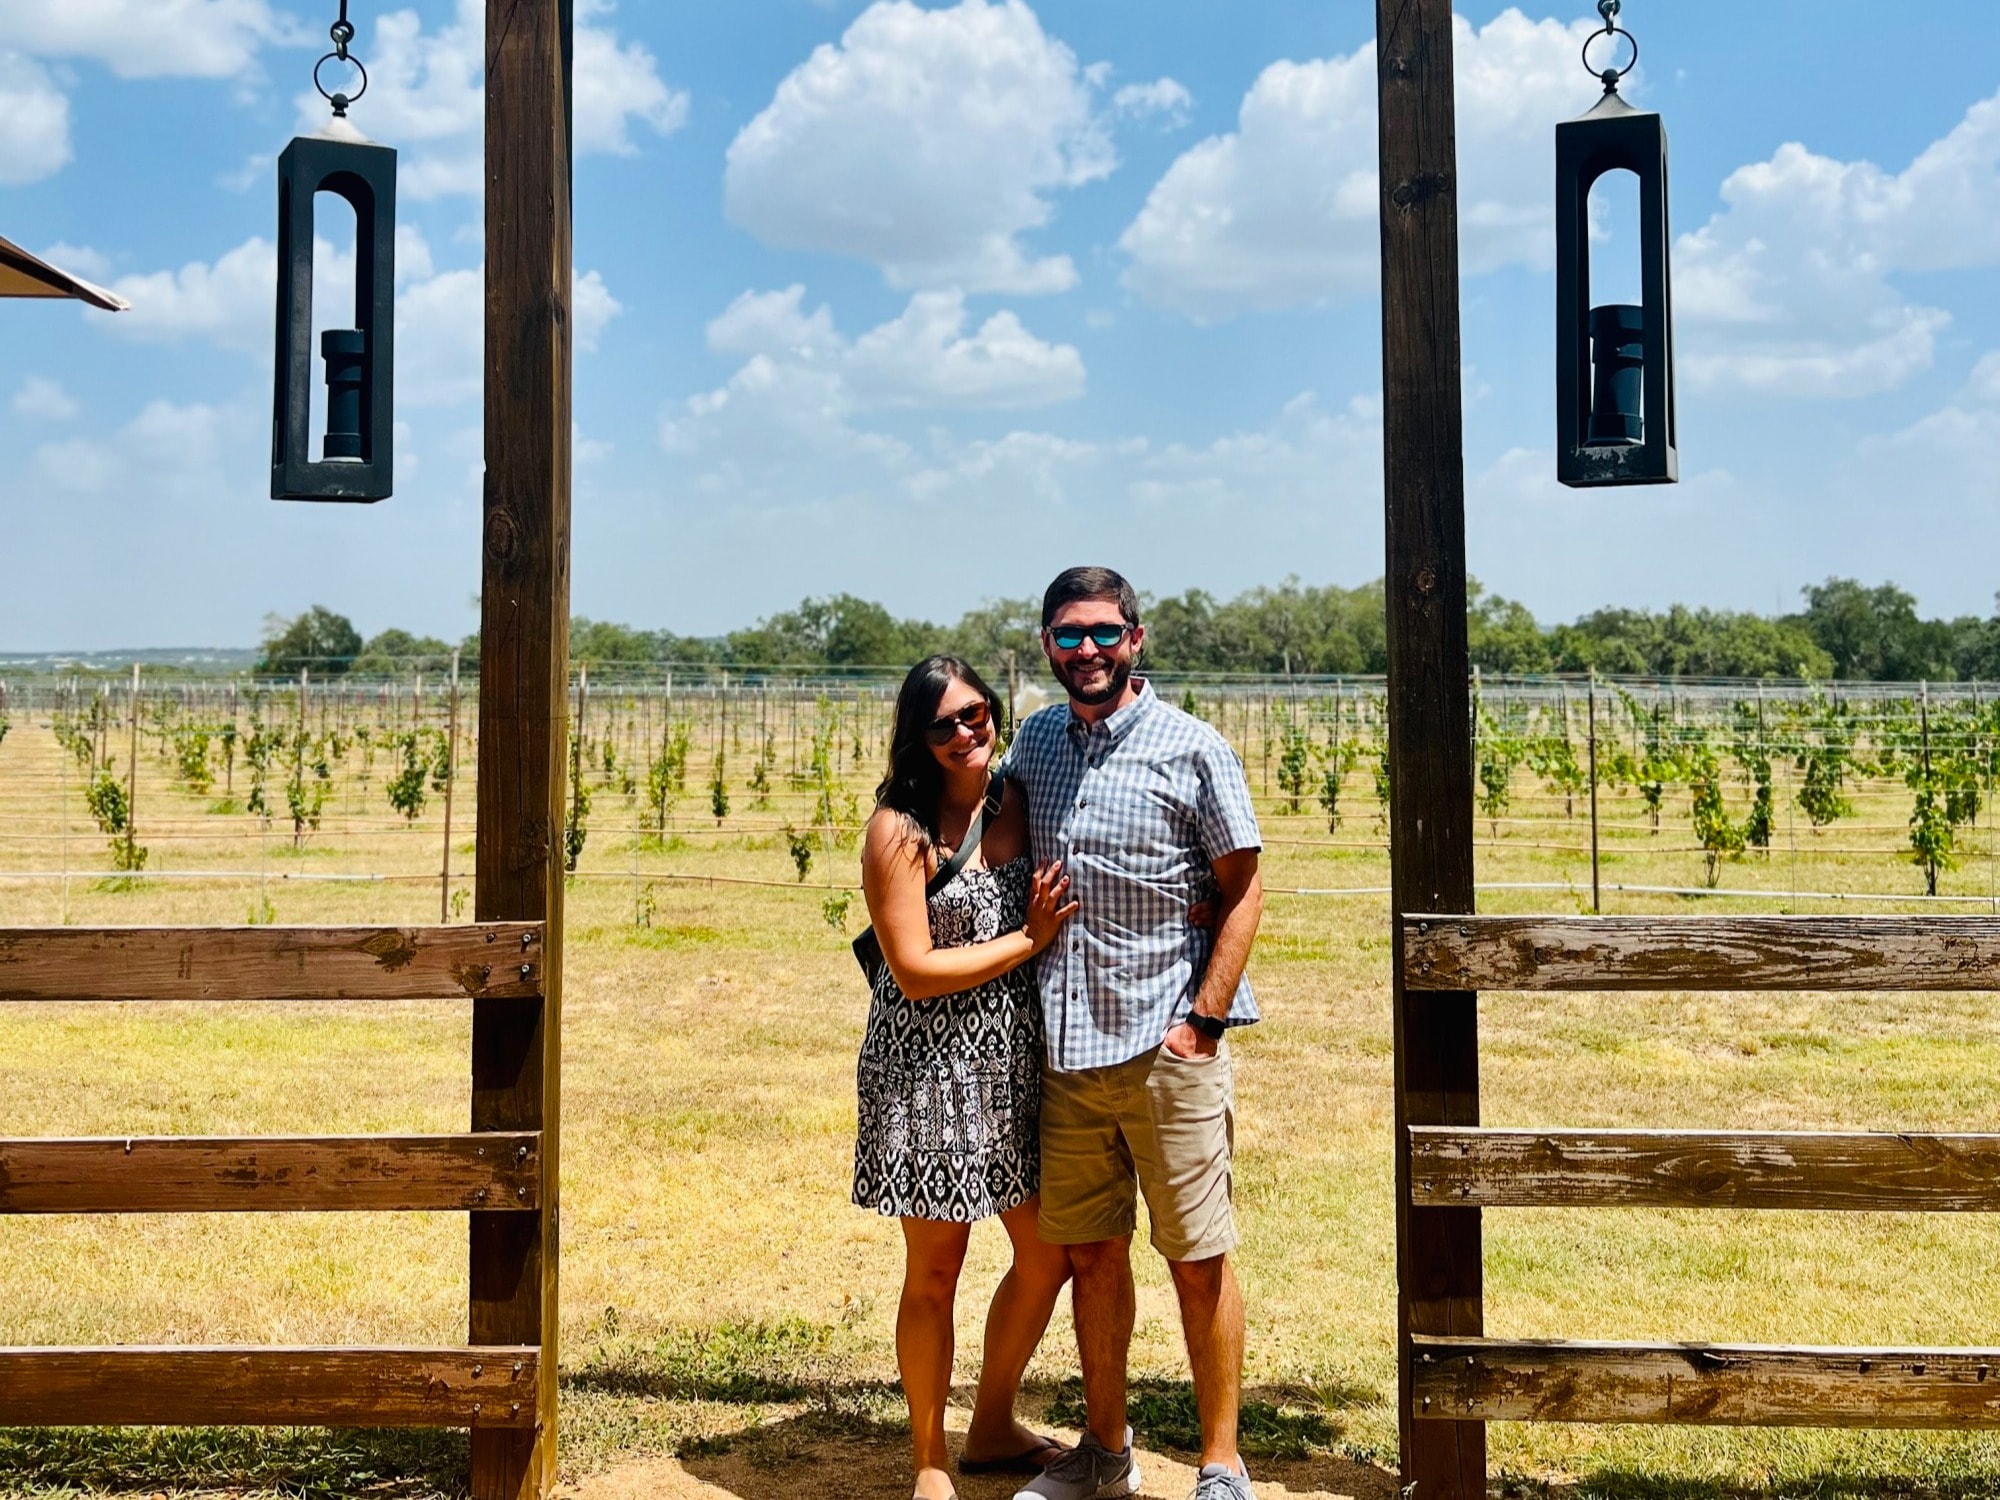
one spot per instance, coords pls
(1846, 630)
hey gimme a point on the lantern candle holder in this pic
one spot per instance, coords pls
(356, 460)
(1615, 420)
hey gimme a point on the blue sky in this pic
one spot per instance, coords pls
(924, 302)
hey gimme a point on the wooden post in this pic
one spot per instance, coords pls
(450, 780)
(133, 781)
(1430, 806)
(523, 681)
(1596, 894)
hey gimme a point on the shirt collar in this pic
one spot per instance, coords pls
(1120, 724)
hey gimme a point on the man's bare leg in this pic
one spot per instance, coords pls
(1212, 1319)
(1104, 1305)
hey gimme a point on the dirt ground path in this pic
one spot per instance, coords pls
(840, 1469)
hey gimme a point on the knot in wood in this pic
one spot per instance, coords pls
(503, 535)
(1427, 580)
(1419, 189)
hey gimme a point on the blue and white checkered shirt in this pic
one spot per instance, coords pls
(1136, 807)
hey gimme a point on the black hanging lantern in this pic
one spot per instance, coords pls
(356, 452)
(1615, 363)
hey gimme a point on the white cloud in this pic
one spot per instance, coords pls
(1985, 382)
(1283, 211)
(926, 142)
(426, 92)
(776, 463)
(1163, 96)
(777, 324)
(592, 307)
(229, 302)
(615, 85)
(79, 259)
(1789, 288)
(170, 451)
(440, 315)
(44, 398)
(923, 358)
(34, 121)
(149, 38)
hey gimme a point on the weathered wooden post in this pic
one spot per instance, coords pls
(1438, 1269)
(523, 678)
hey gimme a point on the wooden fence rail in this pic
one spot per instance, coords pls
(1705, 1169)
(500, 1174)
(474, 961)
(268, 1387)
(1707, 1385)
(1701, 953)
(276, 1174)
(1459, 1377)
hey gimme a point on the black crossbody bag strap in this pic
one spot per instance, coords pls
(974, 831)
(867, 947)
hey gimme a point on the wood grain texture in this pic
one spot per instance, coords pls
(288, 1174)
(268, 1387)
(523, 685)
(271, 963)
(1706, 1385)
(1706, 1169)
(1446, 952)
(1439, 1274)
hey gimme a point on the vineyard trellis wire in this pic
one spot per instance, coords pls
(1719, 775)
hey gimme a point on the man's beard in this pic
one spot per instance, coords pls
(1117, 674)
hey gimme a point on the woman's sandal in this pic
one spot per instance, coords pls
(1028, 1461)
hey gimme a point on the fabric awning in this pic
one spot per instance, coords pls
(25, 275)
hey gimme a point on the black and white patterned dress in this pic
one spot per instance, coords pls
(951, 1088)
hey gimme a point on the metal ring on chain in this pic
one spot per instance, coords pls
(1610, 76)
(340, 101)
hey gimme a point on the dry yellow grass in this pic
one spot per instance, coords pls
(724, 1303)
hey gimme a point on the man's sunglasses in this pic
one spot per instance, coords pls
(974, 716)
(1104, 637)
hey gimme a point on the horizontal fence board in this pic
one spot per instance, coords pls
(268, 1387)
(1701, 953)
(476, 960)
(289, 1174)
(1704, 1385)
(1704, 1169)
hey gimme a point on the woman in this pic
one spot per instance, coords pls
(950, 1070)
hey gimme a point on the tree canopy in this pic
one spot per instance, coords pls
(1846, 629)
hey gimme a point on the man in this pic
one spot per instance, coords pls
(1149, 812)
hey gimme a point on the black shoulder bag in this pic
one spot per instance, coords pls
(868, 947)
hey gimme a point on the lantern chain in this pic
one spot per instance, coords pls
(1610, 77)
(342, 33)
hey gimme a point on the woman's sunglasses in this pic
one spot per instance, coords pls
(974, 716)
(1104, 637)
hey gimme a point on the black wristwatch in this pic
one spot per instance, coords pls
(1208, 1026)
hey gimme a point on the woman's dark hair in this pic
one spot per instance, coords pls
(915, 780)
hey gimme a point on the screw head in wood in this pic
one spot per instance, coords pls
(527, 970)
(1427, 1403)
(527, 940)
(519, 1367)
(477, 1371)
(521, 1192)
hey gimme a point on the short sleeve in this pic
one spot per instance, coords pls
(1225, 817)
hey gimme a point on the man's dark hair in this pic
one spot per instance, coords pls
(1073, 584)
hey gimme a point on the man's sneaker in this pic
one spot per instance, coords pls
(1089, 1471)
(1220, 1482)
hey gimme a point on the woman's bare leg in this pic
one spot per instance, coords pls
(934, 1252)
(1014, 1326)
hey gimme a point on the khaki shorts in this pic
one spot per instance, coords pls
(1161, 1124)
